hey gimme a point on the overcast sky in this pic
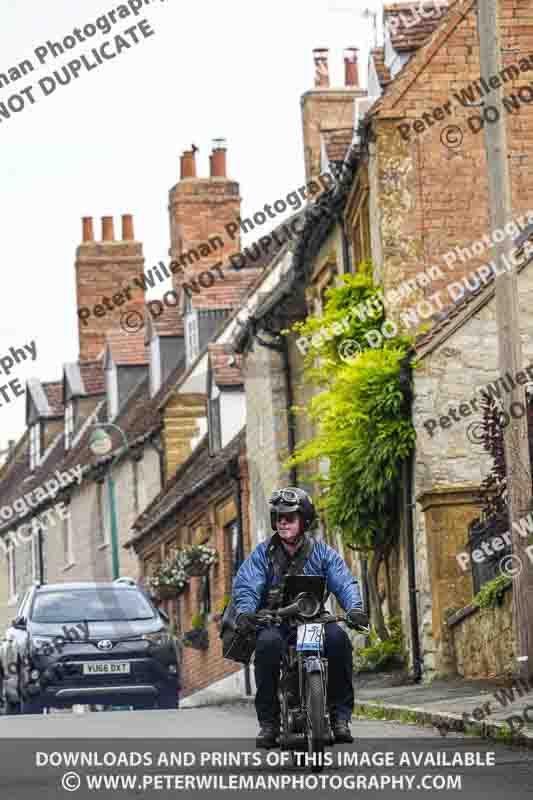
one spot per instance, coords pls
(109, 143)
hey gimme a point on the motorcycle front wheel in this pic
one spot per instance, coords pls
(316, 720)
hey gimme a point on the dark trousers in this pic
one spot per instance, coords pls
(338, 649)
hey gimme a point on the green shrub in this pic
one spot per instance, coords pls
(380, 654)
(492, 593)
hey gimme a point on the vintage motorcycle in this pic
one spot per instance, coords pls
(305, 724)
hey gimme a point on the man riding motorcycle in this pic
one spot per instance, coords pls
(259, 585)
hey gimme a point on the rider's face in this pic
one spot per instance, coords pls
(289, 526)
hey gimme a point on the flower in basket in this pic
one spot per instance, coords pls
(198, 558)
(170, 574)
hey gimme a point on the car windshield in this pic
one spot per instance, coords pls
(91, 605)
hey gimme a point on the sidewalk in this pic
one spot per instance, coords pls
(450, 705)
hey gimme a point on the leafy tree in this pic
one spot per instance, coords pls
(363, 425)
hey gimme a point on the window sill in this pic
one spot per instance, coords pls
(69, 566)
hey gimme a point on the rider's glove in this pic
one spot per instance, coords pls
(245, 623)
(356, 618)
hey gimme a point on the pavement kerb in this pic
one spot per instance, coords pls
(495, 731)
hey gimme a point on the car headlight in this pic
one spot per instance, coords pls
(42, 643)
(160, 637)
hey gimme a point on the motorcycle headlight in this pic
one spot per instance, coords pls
(160, 637)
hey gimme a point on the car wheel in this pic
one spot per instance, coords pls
(12, 708)
(31, 706)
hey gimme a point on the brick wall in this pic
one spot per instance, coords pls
(433, 197)
(103, 269)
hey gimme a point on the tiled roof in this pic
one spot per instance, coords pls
(409, 28)
(337, 143)
(383, 72)
(127, 349)
(226, 365)
(192, 476)
(54, 395)
(227, 292)
(92, 375)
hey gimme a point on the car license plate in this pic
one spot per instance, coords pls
(310, 636)
(107, 668)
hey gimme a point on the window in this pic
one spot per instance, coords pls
(112, 391)
(102, 500)
(155, 366)
(68, 554)
(35, 445)
(69, 425)
(232, 539)
(214, 425)
(361, 235)
(11, 574)
(205, 607)
(192, 344)
(34, 544)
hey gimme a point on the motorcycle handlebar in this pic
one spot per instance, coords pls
(275, 618)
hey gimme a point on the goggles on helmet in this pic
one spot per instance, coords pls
(285, 496)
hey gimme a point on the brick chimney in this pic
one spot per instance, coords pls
(188, 164)
(103, 269)
(217, 159)
(351, 71)
(200, 209)
(320, 55)
(326, 107)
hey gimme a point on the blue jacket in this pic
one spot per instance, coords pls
(250, 585)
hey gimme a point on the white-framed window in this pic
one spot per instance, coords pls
(11, 575)
(34, 545)
(104, 514)
(68, 545)
(35, 445)
(192, 343)
(155, 366)
(112, 391)
(69, 425)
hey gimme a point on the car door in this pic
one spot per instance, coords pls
(15, 648)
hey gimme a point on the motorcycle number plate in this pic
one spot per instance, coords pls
(310, 636)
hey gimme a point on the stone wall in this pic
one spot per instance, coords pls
(448, 464)
(483, 640)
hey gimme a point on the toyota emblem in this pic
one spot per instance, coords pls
(105, 644)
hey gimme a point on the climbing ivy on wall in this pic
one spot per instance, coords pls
(363, 424)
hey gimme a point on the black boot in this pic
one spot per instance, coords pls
(268, 735)
(342, 732)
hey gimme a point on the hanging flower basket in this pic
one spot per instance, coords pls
(198, 559)
(170, 579)
(197, 638)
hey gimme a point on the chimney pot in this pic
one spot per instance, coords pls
(108, 230)
(188, 164)
(127, 228)
(351, 70)
(87, 229)
(217, 159)
(320, 55)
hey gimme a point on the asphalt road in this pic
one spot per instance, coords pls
(372, 766)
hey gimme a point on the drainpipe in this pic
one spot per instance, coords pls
(235, 474)
(283, 350)
(408, 506)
